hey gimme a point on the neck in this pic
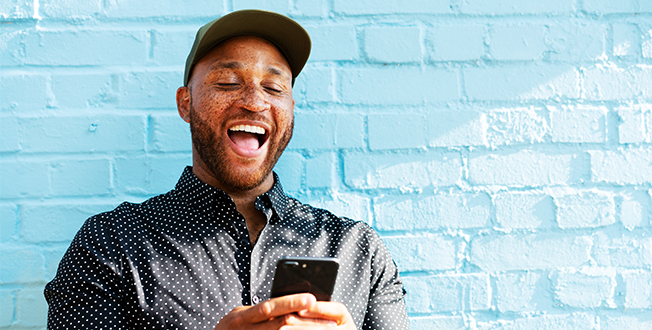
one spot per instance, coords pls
(244, 199)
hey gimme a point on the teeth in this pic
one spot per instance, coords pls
(248, 129)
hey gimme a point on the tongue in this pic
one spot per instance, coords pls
(245, 140)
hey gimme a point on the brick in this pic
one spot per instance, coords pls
(585, 289)
(529, 252)
(447, 293)
(422, 253)
(8, 213)
(585, 209)
(150, 89)
(646, 44)
(635, 125)
(31, 308)
(611, 83)
(165, 8)
(87, 90)
(90, 133)
(348, 205)
(516, 7)
(169, 133)
(626, 251)
(12, 51)
(442, 42)
(520, 292)
(271, 5)
(433, 212)
(629, 322)
(437, 323)
(22, 92)
(20, 179)
(20, 265)
(320, 170)
(575, 42)
(633, 166)
(578, 124)
(393, 44)
(635, 210)
(456, 128)
(508, 126)
(7, 301)
(52, 259)
(398, 85)
(575, 321)
(149, 175)
(515, 210)
(638, 288)
(106, 47)
(171, 47)
(328, 131)
(367, 7)
(516, 42)
(414, 171)
(523, 168)
(315, 85)
(610, 7)
(333, 42)
(522, 82)
(311, 8)
(16, 9)
(81, 177)
(397, 131)
(626, 39)
(435, 129)
(290, 168)
(70, 10)
(10, 133)
(56, 222)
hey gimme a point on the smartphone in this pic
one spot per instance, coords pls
(305, 274)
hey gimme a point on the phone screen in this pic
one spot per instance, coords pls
(303, 274)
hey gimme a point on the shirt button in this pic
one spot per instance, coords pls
(255, 300)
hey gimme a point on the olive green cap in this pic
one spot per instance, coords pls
(290, 38)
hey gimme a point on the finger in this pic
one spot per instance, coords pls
(328, 310)
(279, 306)
(296, 320)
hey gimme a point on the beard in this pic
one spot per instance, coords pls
(210, 149)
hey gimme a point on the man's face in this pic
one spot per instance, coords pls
(241, 110)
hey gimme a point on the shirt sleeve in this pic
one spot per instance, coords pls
(86, 293)
(386, 308)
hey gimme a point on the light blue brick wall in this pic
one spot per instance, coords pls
(502, 149)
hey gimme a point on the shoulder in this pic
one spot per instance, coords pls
(125, 214)
(344, 228)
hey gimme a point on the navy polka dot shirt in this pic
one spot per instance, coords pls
(184, 259)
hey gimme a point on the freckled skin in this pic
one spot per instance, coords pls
(242, 80)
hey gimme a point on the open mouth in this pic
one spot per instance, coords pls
(248, 137)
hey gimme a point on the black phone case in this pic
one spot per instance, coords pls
(299, 275)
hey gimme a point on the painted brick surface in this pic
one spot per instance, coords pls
(502, 149)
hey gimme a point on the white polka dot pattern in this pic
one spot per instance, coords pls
(183, 260)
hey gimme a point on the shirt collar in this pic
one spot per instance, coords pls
(276, 197)
(201, 195)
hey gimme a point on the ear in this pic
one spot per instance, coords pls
(183, 103)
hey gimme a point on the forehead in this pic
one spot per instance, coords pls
(249, 51)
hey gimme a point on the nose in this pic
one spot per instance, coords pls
(254, 99)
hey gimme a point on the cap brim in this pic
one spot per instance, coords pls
(290, 38)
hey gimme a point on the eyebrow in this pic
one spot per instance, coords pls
(237, 65)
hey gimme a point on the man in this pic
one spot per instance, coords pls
(203, 255)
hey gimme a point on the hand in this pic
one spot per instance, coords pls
(297, 311)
